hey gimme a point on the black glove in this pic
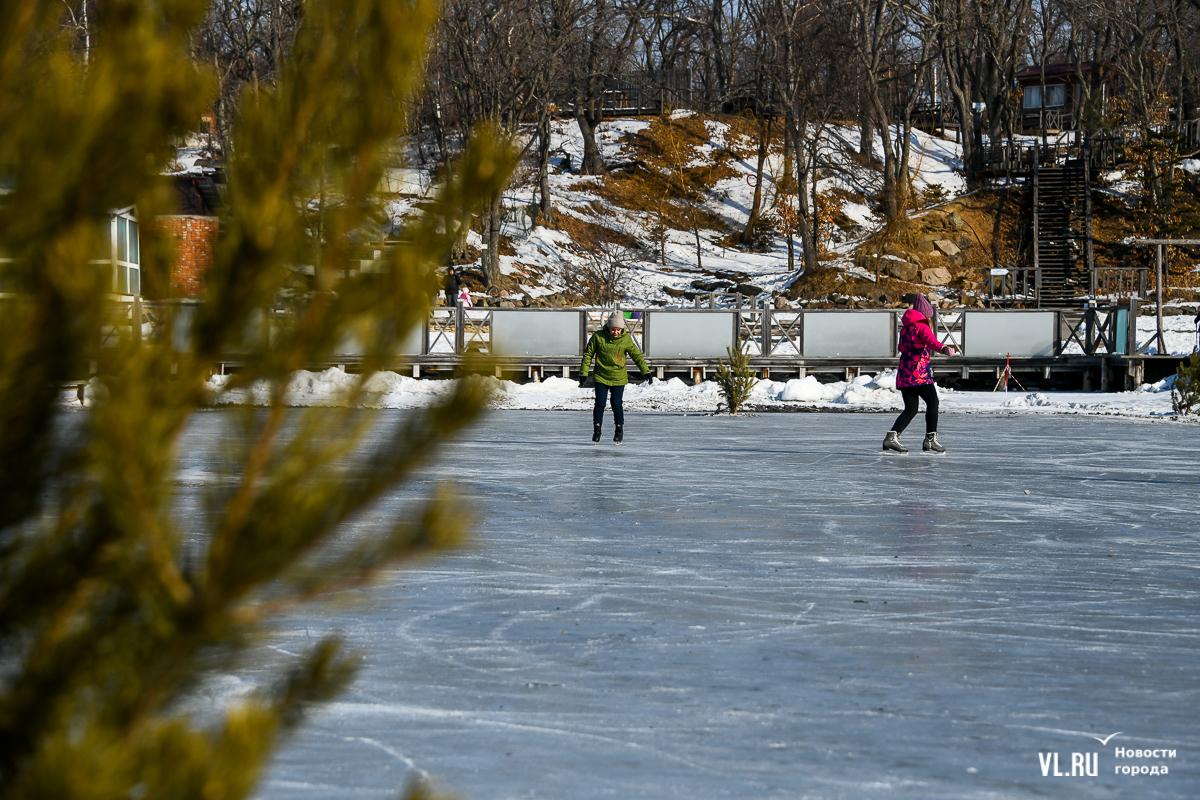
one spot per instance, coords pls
(649, 380)
(583, 381)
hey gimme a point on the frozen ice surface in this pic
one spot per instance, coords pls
(768, 607)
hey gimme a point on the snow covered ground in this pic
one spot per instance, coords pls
(1179, 331)
(865, 393)
(935, 161)
(770, 608)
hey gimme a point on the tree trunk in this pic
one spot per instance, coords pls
(1042, 110)
(866, 133)
(803, 221)
(661, 233)
(716, 25)
(545, 207)
(816, 209)
(439, 131)
(458, 250)
(592, 162)
(784, 195)
(491, 258)
(891, 205)
(764, 139)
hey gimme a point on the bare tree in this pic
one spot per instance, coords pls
(891, 42)
(1139, 29)
(605, 37)
(1047, 22)
(490, 66)
(246, 42)
(602, 275)
(801, 51)
(981, 43)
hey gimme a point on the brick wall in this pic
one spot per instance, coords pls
(195, 237)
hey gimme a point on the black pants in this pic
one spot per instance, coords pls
(911, 395)
(602, 391)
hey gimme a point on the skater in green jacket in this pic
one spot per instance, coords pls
(609, 346)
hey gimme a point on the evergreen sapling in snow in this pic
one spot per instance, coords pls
(735, 379)
(1185, 390)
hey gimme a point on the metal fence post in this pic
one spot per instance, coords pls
(800, 323)
(1159, 252)
(767, 339)
(1089, 319)
(1131, 328)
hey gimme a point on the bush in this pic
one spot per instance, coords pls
(934, 194)
(765, 233)
(735, 379)
(1185, 391)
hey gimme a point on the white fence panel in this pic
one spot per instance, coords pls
(848, 334)
(535, 333)
(690, 334)
(1025, 334)
(411, 344)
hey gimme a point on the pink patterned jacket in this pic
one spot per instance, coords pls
(917, 344)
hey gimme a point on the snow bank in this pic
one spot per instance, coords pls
(332, 387)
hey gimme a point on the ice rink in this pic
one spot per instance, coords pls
(768, 607)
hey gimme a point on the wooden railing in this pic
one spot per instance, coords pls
(1020, 157)
(1120, 282)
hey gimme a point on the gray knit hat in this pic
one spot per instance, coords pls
(615, 320)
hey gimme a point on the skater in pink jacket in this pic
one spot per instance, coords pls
(914, 379)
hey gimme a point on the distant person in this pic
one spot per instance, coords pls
(609, 346)
(914, 379)
(452, 287)
(464, 298)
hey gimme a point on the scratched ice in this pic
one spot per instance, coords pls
(768, 608)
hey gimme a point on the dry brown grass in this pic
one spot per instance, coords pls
(660, 183)
(587, 234)
(1115, 220)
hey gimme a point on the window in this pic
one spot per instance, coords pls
(1056, 96)
(120, 253)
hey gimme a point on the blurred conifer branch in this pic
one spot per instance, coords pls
(107, 619)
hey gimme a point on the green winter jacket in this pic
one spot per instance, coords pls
(610, 357)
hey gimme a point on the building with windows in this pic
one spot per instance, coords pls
(1062, 107)
(120, 253)
(118, 258)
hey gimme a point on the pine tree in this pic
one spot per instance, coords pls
(1185, 390)
(736, 378)
(106, 623)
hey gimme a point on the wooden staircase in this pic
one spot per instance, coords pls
(1062, 234)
